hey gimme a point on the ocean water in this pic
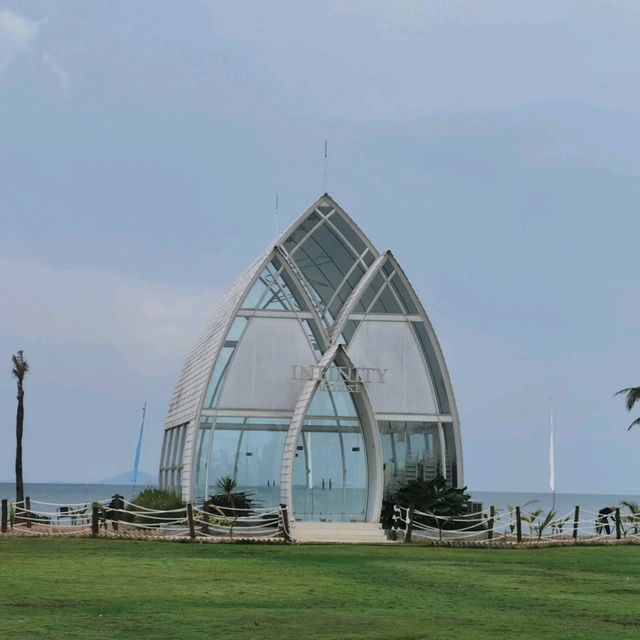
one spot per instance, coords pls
(63, 493)
(565, 503)
(319, 504)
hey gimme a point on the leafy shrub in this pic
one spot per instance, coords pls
(238, 503)
(161, 500)
(632, 517)
(433, 497)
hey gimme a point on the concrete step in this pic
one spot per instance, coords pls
(350, 532)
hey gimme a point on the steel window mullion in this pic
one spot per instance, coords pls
(359, 262)
(307, 235)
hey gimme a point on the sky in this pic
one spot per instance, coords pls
(491, 145)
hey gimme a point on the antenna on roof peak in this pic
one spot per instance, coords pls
(326, 156)
(277, 212)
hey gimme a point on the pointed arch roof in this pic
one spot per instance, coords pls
(195, 371)
(334, 286)
(193, 379)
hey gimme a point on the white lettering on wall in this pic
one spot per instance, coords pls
(339, 378)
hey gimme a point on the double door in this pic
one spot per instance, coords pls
(330, 476)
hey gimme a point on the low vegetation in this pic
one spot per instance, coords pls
(118, 589)
(160, 502)
(442, 507)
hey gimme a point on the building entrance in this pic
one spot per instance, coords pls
(330, 475)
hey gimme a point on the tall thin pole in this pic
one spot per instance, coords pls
(136, 461)
(552, 458)
(277, 215)
(326, 156)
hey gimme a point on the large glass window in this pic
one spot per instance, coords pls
(273, 290)
(348, 232)
(450, 450)
(332, 259)
(434, 367)
(349, 330)
(172, 454)
(404, 295)
(330, 470)
(330, 266)
(247, 449)
(369, 294)
(221, 367)
(200, 467)
(386, 303)
(413, 451)
(315, 338)
(300, 232)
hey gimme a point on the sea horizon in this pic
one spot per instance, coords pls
(84, 492)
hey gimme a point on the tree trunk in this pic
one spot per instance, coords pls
(19, 427)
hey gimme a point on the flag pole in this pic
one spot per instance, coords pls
(552, 457)
(136, 461)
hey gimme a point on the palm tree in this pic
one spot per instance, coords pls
(633, 396)
(633, 517)
(228, 498)
(20, 370)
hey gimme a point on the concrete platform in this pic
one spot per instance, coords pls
(339, 532)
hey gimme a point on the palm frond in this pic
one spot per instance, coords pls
(633, 424)
(20, 365)
(631, 505)
(633, 396)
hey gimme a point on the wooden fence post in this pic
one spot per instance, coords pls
(27, 507)
(95, 520)
(576, 518)
(192, 529)
(205, 517)
(518, 525)
(115, 514)
(492, 515)
(618, 524)
(5, 515)
(409, 530)
(286, 532)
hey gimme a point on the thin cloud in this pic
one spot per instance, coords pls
(17, 33)
(151, 326)
(61, 75)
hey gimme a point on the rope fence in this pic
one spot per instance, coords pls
(117, 517)
(515, 525)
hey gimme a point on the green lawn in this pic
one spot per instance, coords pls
(82, 588)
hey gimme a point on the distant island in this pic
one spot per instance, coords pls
(144, 479)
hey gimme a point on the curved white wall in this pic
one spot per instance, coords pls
(260, 376)
(392, 345)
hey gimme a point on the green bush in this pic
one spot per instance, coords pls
(436, 498)
(234, 503)
(160, 500)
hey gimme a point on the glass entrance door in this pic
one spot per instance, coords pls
(330, 469)
(330, 475)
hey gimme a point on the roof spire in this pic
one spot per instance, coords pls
(324, 175)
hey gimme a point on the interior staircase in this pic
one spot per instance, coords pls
(341, 532)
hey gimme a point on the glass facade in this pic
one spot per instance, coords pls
(330, 470)
(171, 458)
(222, 364)
(413, 451)
(386, 416)
(331, 257)
(247, 449)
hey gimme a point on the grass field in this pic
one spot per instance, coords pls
(82, 588)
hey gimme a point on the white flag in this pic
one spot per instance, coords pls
(552, 458)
